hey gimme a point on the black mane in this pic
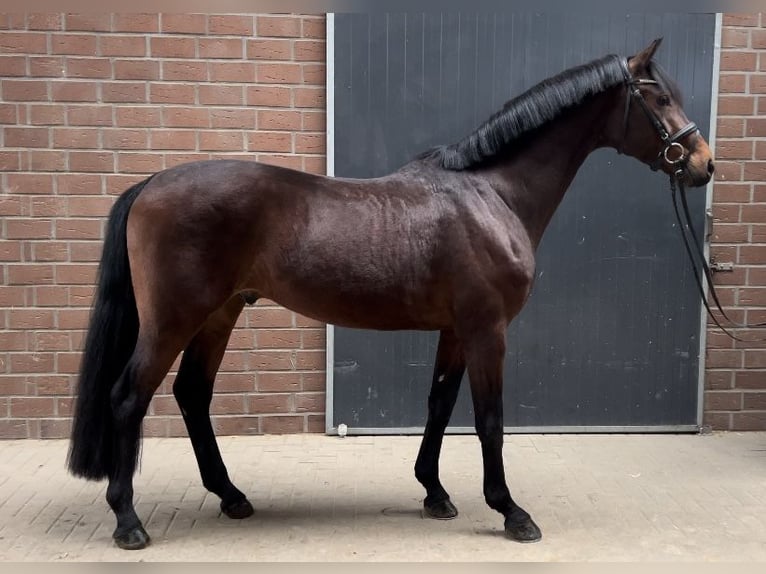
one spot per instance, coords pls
(532, 109)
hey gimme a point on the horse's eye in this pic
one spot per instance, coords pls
(664, 100)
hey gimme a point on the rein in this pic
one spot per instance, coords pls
(675, 155)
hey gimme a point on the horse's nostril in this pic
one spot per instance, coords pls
(710, 167)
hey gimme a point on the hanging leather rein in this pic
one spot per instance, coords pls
(675, 154)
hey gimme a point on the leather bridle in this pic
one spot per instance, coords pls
(676, 155)
(673, 152)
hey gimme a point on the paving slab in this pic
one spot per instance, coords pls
(319, 498)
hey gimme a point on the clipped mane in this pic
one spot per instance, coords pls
(529, 111)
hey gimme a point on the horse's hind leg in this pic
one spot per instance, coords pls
(485, 352)
(130, 399)
(448, 372)
(193, 389)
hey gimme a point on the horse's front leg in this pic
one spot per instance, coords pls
(485, 351)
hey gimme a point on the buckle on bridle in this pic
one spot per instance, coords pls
(681, 150)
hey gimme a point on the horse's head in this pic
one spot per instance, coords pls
(655, 128)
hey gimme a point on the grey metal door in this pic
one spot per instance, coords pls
(610, 336)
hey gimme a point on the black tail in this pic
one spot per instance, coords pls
(109, 344)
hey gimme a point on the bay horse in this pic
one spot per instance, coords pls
(445, 243)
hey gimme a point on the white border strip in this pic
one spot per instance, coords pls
(330, 169)
(708, 207)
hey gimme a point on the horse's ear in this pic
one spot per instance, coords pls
(641, 60)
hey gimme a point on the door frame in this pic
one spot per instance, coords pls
(331, 429)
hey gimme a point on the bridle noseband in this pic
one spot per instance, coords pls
(672, 146)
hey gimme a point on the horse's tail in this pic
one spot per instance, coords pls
(110, 341)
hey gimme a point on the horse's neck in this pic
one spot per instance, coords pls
(534, 180)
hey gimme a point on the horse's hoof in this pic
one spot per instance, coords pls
(238, 510)
(133, 539)
(525, 531)
(442, 510)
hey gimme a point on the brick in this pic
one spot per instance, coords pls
(122, 46)
(47, 67)
(227, 404)
(269, 49)
(279, 26)
(230, 25)
(75, 274)
(223, 48)
(23, 43)
(183, 23)
(79, 184)
(139, 163)
(310, 143)
(723, 401)
(282, 73)
(758, 39)
(236, 118)
(89, 67)
(279, 120)
(750, 379)
(746, 421)
(316, 423)
(733, 83)
(30, 319)
(8, 114)
(185, 117)
(32, 406)
(13, 66)
(125, 139)
(24, 90)
(729, 105)
(309, 97)
(55, 428)
(12, 341)
(269, 141)
(184, 71)
(89, 22)
(72, 228)
(278, 382)
(50, 251)
(721, 358)
(268, 96)
(64, 91)
(91, 161)
(282, 424)
(310, 402)
(288, 161)
(29, 183)
(133, 117)
(221, 140)
(74, 44)
(43, 160)
(136, 70)
(755, 127)
(47, 114)
(731, 127)
(124, 92)
(234, 383)
(753, 213)
(26, 137)
(734, 38)
(270, 403)
(75, 138)
(173, 47)
(85, 252)
(313, 28)
(310, 50)
(755, 171)
(28, 229)
(173, 139)
(734, 233)
(47, 206)
(236, 425)
(731, 192)
(172, 160)
(242, 72)
(89, 115)
(135, 23)
(749, 20)
(167, 93)
(726, 171)
(45, 21)
(11, 205)
(52, 297)
(316, 122)
(718, 421)
(314, 74)
(755, 359)
(221, 95)
(10, 160)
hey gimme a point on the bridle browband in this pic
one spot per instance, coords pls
(671, 141)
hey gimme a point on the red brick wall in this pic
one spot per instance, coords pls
(735, 382)
(91, 103)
